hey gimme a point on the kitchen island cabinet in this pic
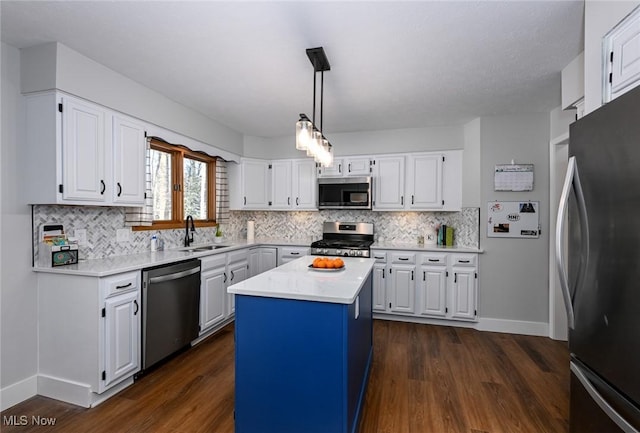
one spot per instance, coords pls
(303, 348)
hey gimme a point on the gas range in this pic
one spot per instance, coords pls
(344, 239)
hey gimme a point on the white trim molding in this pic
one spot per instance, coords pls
(18, 392)
(540, 329)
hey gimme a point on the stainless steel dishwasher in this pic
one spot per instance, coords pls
(170, 309)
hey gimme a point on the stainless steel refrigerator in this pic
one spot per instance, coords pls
(599, 215)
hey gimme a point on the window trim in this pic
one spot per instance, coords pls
(178, 153)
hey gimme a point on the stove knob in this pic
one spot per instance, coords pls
(352, 253)
(360, 253)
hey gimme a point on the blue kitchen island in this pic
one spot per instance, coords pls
(303, 347)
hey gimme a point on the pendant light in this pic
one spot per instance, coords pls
(308, 137)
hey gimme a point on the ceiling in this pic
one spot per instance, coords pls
(393, 64)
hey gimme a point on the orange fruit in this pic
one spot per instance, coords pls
(339, 263)
(329, 264)
(322, 264)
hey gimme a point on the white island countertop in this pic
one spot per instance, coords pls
(295, 280)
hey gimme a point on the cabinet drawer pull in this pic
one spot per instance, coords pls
(464, 261)
(124, 287)
(403, 258)
(376, 257)
(434, 260)
(294, 253)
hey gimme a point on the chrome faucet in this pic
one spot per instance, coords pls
(188, 239)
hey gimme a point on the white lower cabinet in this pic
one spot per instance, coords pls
(379, 281)
(430, 285)
(261, 259)
(286, 254)
(402, 284)
(213, 291)
(122, 336)
(464, 287)
(218, 272)
(89, 335)
(238, 267)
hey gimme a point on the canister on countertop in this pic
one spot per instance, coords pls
(251, 226)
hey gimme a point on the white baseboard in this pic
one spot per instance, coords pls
(18, 392)
(71, 392)
(540, 329)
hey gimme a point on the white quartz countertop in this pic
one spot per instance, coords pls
(134, 262)
(295, 280)
(408, 246)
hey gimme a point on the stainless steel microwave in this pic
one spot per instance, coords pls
(344, 192)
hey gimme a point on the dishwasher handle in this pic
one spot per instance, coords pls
(174, 276)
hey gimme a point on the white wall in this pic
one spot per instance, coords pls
(514, 272)
(362, 143)
(18, 294)
(81, 76)
(471, 173)
(599, 18)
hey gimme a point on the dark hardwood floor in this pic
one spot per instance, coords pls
(423, 379)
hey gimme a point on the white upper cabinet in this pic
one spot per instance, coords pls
(129, 155)
(281, 185)
(334, 171)
(305, 185)
(418, 181)
(357, 166)
(622, 57)
(347, 166)
(388, 183)
(85, 153)
(424, 181)
(254, 184)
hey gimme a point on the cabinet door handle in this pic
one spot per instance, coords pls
(339, 168)
(411, 198)
(119, 189)
(349, 167)
(411, 275)
(103, 187)
(288, 201)
(232, 276)
(135, 302)
(402, 200)
(245, 200)
(424, 275)
(124, 286)
(225, 278)
(455, 277)
(297, 201)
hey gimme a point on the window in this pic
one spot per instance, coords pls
(183, 184)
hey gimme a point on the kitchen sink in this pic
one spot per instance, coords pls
(202, 248)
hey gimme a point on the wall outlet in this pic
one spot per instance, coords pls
(81, 236)
(122, 235)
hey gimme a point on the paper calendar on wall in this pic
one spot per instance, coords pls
(513, 219)
(513, 177)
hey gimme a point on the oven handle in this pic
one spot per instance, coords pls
(174, 276)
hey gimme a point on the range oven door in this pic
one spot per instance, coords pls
(344, 193)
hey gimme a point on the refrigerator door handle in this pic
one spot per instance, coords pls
(601, 401)
(572, 181)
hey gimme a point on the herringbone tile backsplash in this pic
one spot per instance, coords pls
(102, 224)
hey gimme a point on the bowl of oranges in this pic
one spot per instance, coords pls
(326, 264)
